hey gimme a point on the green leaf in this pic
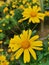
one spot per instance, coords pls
(2, 36)
(34, 32)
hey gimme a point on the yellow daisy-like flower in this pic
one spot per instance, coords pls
(1, 30)
(2, 3)
(3, 60)
(5, 10)
(13, 6)
(25, 44)
(12, 12)
(32, 14)
(21, 7)
(3, 24)
(7, 16)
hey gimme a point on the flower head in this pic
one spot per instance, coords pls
(5, 10)
(2, 3)
(25, 44)
(12, 12)
(32, 14)
(3, 60)
(1, 30)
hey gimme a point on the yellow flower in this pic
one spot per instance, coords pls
(8, 1)
(1, 42)
(3, 60)
(5, 10)
(36, 1)
(13, 6)
(1, 50)
(32, 14)
(12, 12)
(1, 30)
(21, 7)
(25, 44)
(7, 16)
(3, 24)
(24, 1)
(47, 13)
(1, 3)
(9, 50)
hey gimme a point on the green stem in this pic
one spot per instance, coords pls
(48, 2)
(42, 8)
(34, 26)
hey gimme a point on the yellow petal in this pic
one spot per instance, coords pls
(29, 35)
(37, 48)
(15, 47)
(18, 53)
(36, 43)
(32, 53)
(41, 16)
(33, 20)
(24, 35)
(38, 9)
(14, 44)
(29, 20)
(34, 38)
(37, 20)
(21, 20)
(17, 39)
(26, 56)
(35, 8)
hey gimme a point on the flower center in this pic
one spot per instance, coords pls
(25, 44)
(33, 14)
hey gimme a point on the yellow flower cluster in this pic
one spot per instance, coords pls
(22, 44)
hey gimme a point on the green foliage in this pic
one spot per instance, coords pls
(2, 36)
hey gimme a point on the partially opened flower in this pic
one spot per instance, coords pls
(32, 14)
(3, 60)
(25, 44)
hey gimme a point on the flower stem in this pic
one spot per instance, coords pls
(42, 8)
(34, 26)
